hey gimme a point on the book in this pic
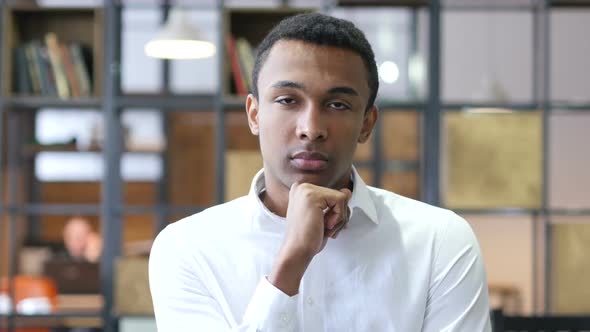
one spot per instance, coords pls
(22, 77)
(81, 67)
(34, 72)
(246, 56)
(41, 63)
(57, 68)
(70, 71)
(239, 82)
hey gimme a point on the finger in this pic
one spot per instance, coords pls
(331, 219)
(337, 208)
(337, 230)
(347, 192)
(331, 232)
(334, 233)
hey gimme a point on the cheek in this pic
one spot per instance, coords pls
(274, 126)
(272, 135)
(346, 132)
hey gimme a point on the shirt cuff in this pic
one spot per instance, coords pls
(270, 309)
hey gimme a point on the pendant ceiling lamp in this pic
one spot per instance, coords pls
(177, 39)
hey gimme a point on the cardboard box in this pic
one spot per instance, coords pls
(132, 291)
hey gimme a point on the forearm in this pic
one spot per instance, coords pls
(288, 270)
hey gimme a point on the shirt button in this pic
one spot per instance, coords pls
(310, 301)
(284, 317)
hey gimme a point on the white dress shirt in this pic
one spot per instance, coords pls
(399, 265)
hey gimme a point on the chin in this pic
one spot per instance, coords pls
(318, 179)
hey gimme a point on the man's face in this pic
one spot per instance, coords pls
(310, 113)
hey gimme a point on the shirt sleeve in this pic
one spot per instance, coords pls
(458, 296)
(182, 301)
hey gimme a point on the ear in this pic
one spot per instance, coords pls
(369, 121)
(252, 113)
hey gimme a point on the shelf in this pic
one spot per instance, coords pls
(185, 102)
(383, 3)
(570, 106)
(496, 211)
(524, 211)
(560, 212)
(399, 105)
(95, 209)
(206, 102)
(59, 319)
(461, 106)
(36, 102)
(569, 3)
(54, 209)
(234, 102)
(391, 165)
(181, 103)
(65, 314)
(33, 149)
(489, 7)
(166, 209)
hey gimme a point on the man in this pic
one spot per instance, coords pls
(81, 242)
(311, 247)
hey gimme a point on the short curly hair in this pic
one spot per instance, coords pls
(320, 29)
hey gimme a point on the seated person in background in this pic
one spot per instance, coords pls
(81, 242)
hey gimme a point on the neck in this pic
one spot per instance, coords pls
(275, 197)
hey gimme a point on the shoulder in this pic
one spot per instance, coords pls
(407, 209)
(418, 218)
(205, 226)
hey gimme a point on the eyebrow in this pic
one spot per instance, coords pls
(335, 90)
(344, 90)
(288, 84)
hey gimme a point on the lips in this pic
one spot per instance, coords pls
(309, 161)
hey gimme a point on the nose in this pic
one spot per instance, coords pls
(311, 124)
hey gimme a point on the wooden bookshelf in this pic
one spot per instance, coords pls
(25, 23)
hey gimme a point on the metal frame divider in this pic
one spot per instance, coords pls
(536, 44)
(162, 198)
(430, 145)
(546, 108)
(2, 114)
(111, 192)
(12, 164)
(220, 138)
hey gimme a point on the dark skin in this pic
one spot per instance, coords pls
(310, 114)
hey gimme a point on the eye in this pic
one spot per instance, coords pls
(285, 101)
(339, 106)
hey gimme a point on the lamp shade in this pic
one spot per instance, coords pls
(177, 39)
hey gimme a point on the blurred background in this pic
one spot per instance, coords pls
(107, 136)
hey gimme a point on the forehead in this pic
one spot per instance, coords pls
(313, 64)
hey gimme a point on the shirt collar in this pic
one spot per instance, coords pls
(360, 200)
